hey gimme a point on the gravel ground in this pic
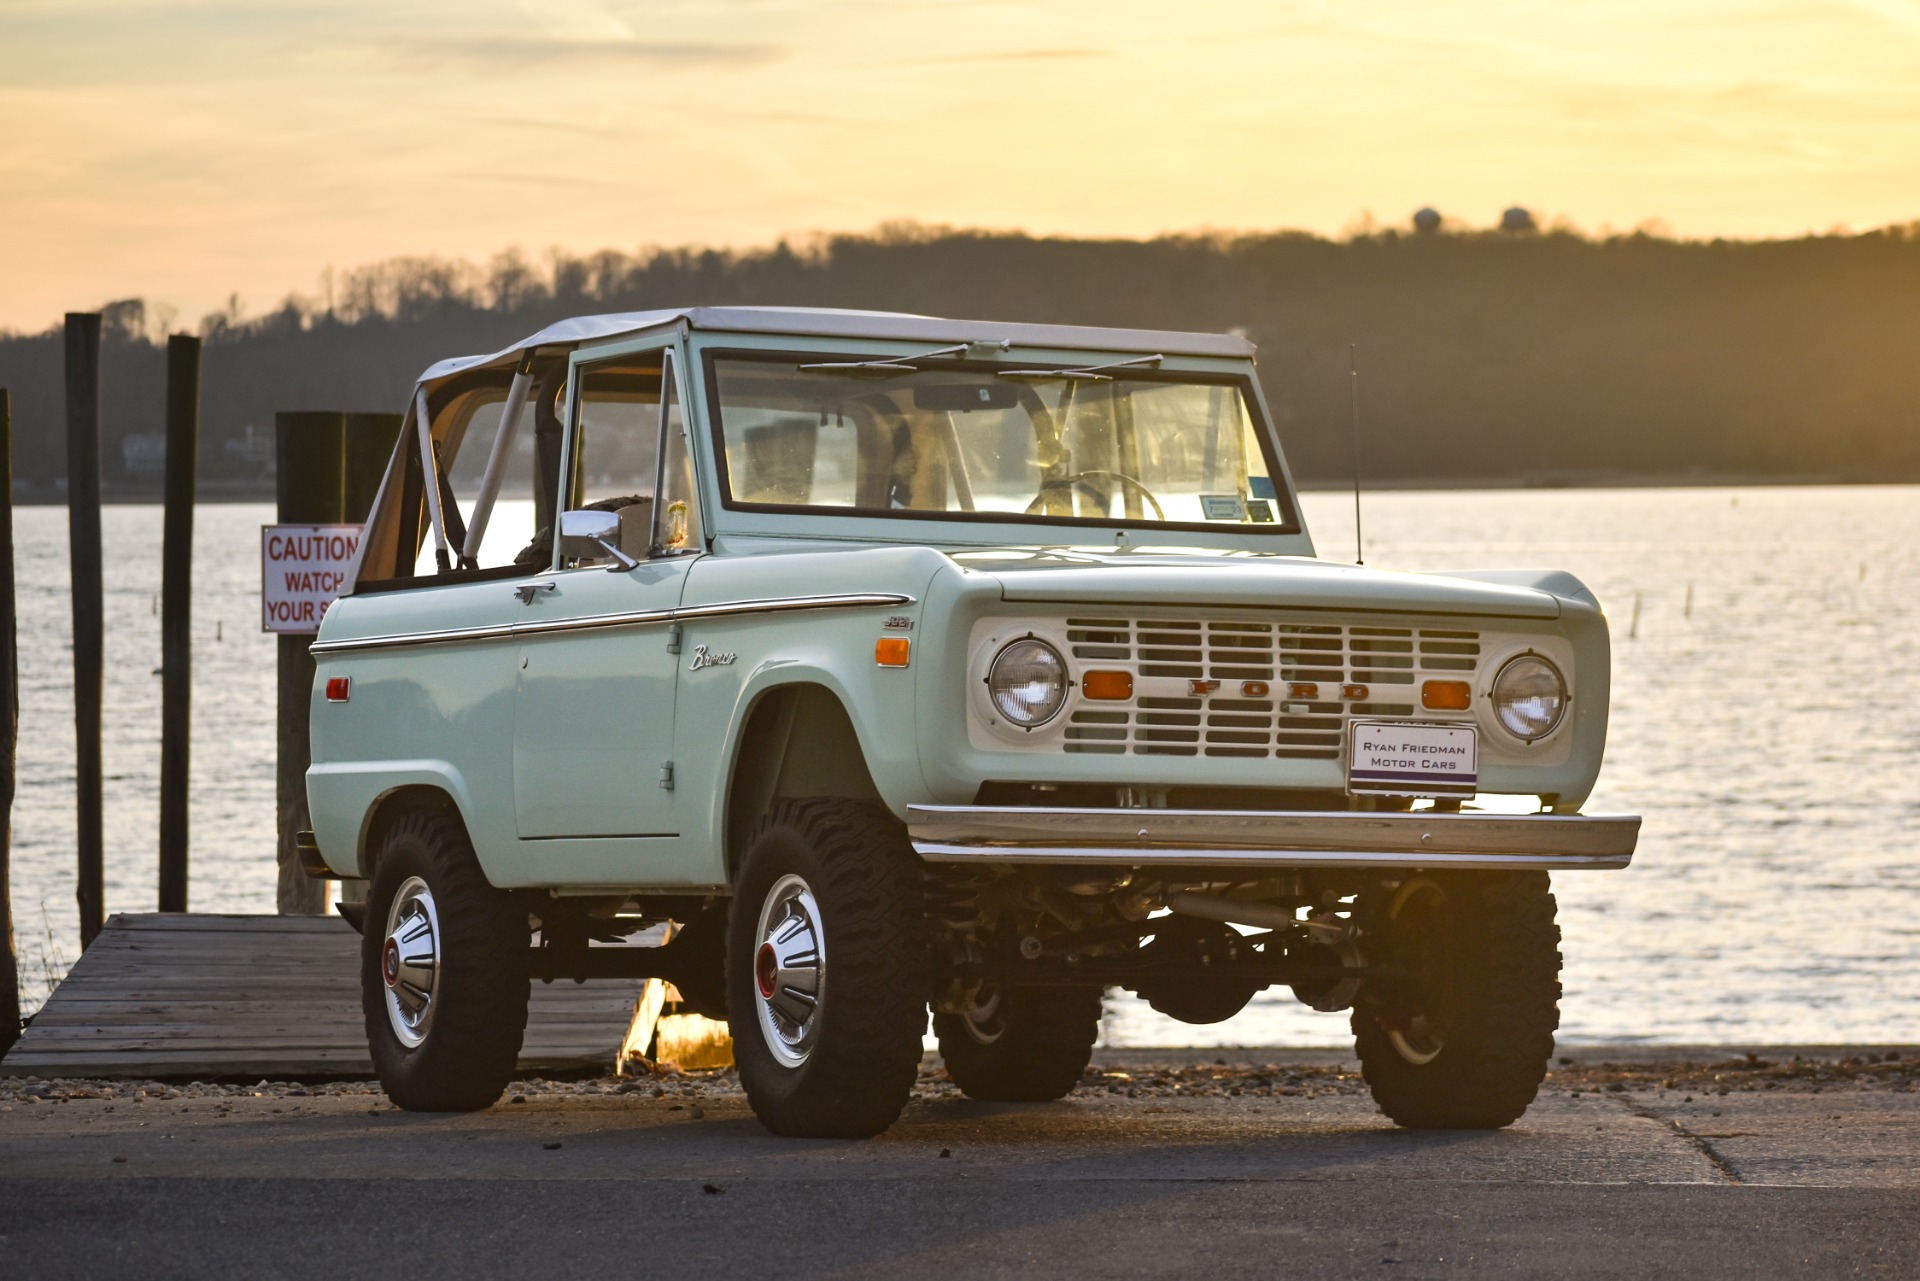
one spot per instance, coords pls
(1159, 1075)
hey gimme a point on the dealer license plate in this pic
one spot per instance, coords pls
(1393, 758)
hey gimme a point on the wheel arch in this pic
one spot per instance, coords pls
(391, 806)
(797, 739)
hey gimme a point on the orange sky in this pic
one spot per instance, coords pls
(184, 149)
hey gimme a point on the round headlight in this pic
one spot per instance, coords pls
(1028, 683)
(1529, 697)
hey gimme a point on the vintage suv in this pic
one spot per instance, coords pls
(904, 662)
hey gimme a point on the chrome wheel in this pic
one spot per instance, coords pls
(789, 970)
(410, 961)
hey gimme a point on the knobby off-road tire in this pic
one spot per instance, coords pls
(1465, 1043)
(827, 969)
(1029, 1046)
(462, 942)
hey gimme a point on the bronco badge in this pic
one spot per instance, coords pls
(703, 658)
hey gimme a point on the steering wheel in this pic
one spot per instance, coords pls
(1078, 481)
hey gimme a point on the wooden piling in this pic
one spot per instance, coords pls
(310, 465)
(176, 619)
(9, 737)
(369, 447)
(89, 656)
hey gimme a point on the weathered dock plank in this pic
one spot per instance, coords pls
(261, 996)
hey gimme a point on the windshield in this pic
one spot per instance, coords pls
(1125, 446)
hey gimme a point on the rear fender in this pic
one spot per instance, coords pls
(351, 802)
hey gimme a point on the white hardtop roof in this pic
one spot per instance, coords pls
(826, 322)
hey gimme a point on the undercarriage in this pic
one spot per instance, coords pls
(1174, 942)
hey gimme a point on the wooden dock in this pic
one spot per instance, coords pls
(275, 997)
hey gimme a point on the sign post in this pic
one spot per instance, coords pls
(310, 453)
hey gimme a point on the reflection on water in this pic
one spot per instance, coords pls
(1766, 724)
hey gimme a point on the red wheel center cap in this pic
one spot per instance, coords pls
(766, 970)
(390, 963)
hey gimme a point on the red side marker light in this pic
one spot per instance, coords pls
(339, 688)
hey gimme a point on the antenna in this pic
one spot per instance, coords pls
(1353, 402)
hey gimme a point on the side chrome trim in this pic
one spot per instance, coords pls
(1277, 838)
(634, 618)
(502, 631)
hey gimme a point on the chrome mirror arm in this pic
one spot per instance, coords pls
(622, 561)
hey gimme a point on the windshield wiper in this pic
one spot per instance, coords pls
(886, 365)
(1083, 373)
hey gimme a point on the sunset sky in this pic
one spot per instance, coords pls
(181, 150)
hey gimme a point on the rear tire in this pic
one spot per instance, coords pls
(827, 969)
(443, 970)
(1462, 1038)
(1030, 1046)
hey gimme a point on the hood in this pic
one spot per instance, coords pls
(1203, 578)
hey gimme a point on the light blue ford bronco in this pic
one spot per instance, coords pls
(903, 664)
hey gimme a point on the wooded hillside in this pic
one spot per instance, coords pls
(1503, 358)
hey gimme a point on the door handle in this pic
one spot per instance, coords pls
(525, 591)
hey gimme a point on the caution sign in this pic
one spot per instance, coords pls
(302, 569)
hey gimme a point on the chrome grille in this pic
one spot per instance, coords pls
(1165, 656)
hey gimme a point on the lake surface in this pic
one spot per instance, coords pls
(1766, 724)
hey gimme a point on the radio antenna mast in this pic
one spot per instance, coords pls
(1353, 403)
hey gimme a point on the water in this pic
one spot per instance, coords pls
(232, 777)
(1771, 740)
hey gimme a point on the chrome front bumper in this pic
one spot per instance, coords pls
(1270, 838)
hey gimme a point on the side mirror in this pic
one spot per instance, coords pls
(593, 534)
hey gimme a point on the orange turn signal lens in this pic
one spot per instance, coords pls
(1111, 686)
(1446, 696)
(891, 651)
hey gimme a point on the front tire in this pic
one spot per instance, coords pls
(827, 969)
(1460, 1035)
(1026, 1045)
(443, 970)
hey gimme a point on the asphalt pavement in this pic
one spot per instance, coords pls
(1664, 1176)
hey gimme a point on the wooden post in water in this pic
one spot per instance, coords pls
(309, 461)
(370, 441)
(176, 614)
(9, 738)
(89, 656)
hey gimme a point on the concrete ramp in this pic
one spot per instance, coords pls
(262, 996)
